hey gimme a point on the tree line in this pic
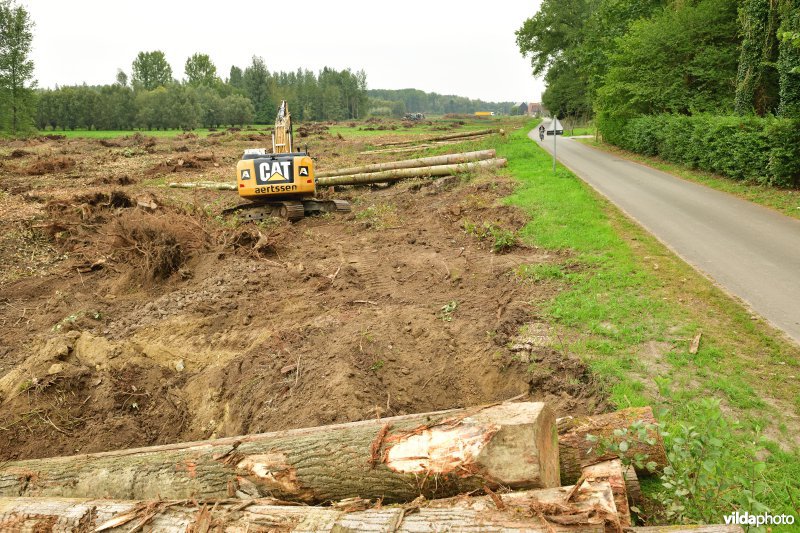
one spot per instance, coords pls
(398, 102)
(17, 98)
(153, 99)
(629, 58)
(678, 79)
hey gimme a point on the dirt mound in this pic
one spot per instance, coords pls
(137, 140)
(16, 154)
(380, 127)
(118, 180)
(261, 136)
(184, 163)
(50, 165)
(307, 130)
(52, 137)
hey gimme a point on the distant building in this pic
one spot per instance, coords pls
(536, 109)
(522, 108)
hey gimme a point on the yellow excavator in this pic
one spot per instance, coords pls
(281, 183)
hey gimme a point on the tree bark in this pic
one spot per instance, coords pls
(574, 448)
(545, 511)
(403, 173)
(204, 185)
(445, 137)
(434, 454)
(612, 472)
(447, 159)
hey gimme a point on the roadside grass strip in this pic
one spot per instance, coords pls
(631, 308)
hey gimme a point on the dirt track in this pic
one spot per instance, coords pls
(134, 314)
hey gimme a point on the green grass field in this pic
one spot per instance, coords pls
(359, 130)
(787, 201)
(630, 308)
(583, 130)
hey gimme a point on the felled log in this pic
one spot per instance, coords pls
(446, 159)
(574, 448)
(403, 173)
(613, 473)
(545, 511)
(434, 454)
(444, 137)
(424, 146)
(204, 185)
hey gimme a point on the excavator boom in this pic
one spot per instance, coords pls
(282, 137)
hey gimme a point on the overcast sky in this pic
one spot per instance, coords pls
(451, 47)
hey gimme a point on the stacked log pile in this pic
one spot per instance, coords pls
(425, 167)
(419, 472)
(410, 145)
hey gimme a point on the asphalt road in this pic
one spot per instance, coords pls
(750, 251)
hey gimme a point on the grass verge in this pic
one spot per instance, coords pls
(631, 310)
(787, 201)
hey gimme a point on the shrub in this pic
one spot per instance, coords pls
(764, 150)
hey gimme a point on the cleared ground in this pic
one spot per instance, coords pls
(135, 314)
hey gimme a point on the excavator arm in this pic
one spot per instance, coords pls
(282, 137)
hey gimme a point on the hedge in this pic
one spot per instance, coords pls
(764, 150)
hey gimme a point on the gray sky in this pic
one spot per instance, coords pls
(451, 47)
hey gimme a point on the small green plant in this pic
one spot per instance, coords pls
(27, 385)
(74, 317)
(539, 272)
(377, 365)
(381, 216)
(447, 310)
(502, 239)
(132, 152)
(709, 474)
(623, 443)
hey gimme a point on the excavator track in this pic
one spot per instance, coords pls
(290, 210)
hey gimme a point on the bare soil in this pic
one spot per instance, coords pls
(133, 314)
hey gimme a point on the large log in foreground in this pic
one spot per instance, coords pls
(574, 448)
(446, 159)
(403, 173)
(591, 510)
(435, 454)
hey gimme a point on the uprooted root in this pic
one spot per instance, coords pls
(155, 244)
(49, 165)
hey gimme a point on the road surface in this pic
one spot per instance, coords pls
(751, 251)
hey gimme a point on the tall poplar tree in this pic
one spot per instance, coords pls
(16, 68)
